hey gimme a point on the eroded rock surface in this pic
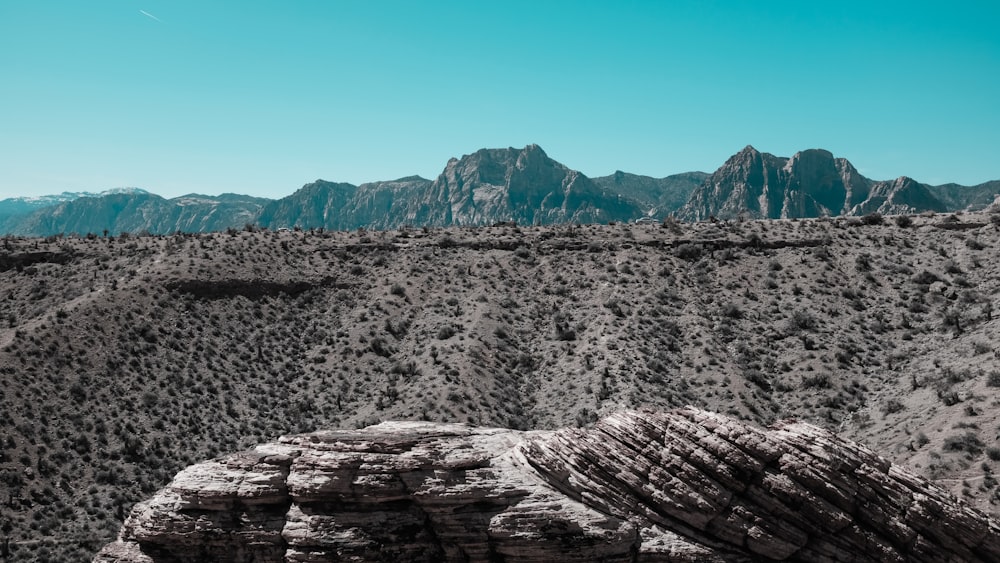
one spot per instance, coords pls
(686, 485)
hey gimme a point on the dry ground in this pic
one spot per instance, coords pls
(124, 359)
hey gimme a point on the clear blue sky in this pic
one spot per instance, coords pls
(260, 97)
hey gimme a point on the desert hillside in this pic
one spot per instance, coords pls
(124, 359)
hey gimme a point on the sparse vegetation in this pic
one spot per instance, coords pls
(130, 357)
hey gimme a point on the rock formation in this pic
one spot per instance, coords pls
(522, 185)
(135, 211)
(482, 188)
(509, 184)
(812, 183)
(686, 485)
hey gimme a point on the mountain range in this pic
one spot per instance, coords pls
(511, 185)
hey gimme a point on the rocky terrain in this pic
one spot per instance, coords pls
(488, 186)
(686, 485)
(813, 183)
(524, 186)
(127, 210)
(125, 359)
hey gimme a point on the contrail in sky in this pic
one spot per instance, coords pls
(148, 15)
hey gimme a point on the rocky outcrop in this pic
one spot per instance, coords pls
(762, 186)
(521, 185)
(318, 204)
(489, 186)
(687, 485)
(137, 211)
(812, 183)
(900, 196)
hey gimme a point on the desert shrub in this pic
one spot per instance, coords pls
(993, 453)
(689, 251)
(565, 333)
(731, 311)
(993, 379)
(408, 369)
(818, 381)
(892, 406)
(380, 347)
(904, 221)
(925, 278)
(150, 399)
(952, 268)
(803, 320)
(968, 442)
(757, 378)
(615, 306)
(949, 398)
(863, 263)
(873, 219)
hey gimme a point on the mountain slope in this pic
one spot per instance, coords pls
(341, 206)
(125, 359)
(899, 197)
(16, 209)
(525, 186)
(812, 183)
(520, 185)
(486, 187)
(760, 185)
(957, 197)
(661, 196)
(319, 204)
(138, 210)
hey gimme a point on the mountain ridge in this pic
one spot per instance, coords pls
(813, 183)
(508, 184)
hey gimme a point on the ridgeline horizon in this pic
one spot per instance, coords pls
(509, 185)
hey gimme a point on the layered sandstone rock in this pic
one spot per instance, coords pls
(686, 485)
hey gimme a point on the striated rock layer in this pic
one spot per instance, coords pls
(686, 485)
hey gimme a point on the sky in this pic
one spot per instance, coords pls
(260, 97)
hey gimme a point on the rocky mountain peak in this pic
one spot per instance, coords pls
(743, 159)
(533, 148)
(413, 178)
(812, 183)
(533, 155)
(522, 185)
(812, 158)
